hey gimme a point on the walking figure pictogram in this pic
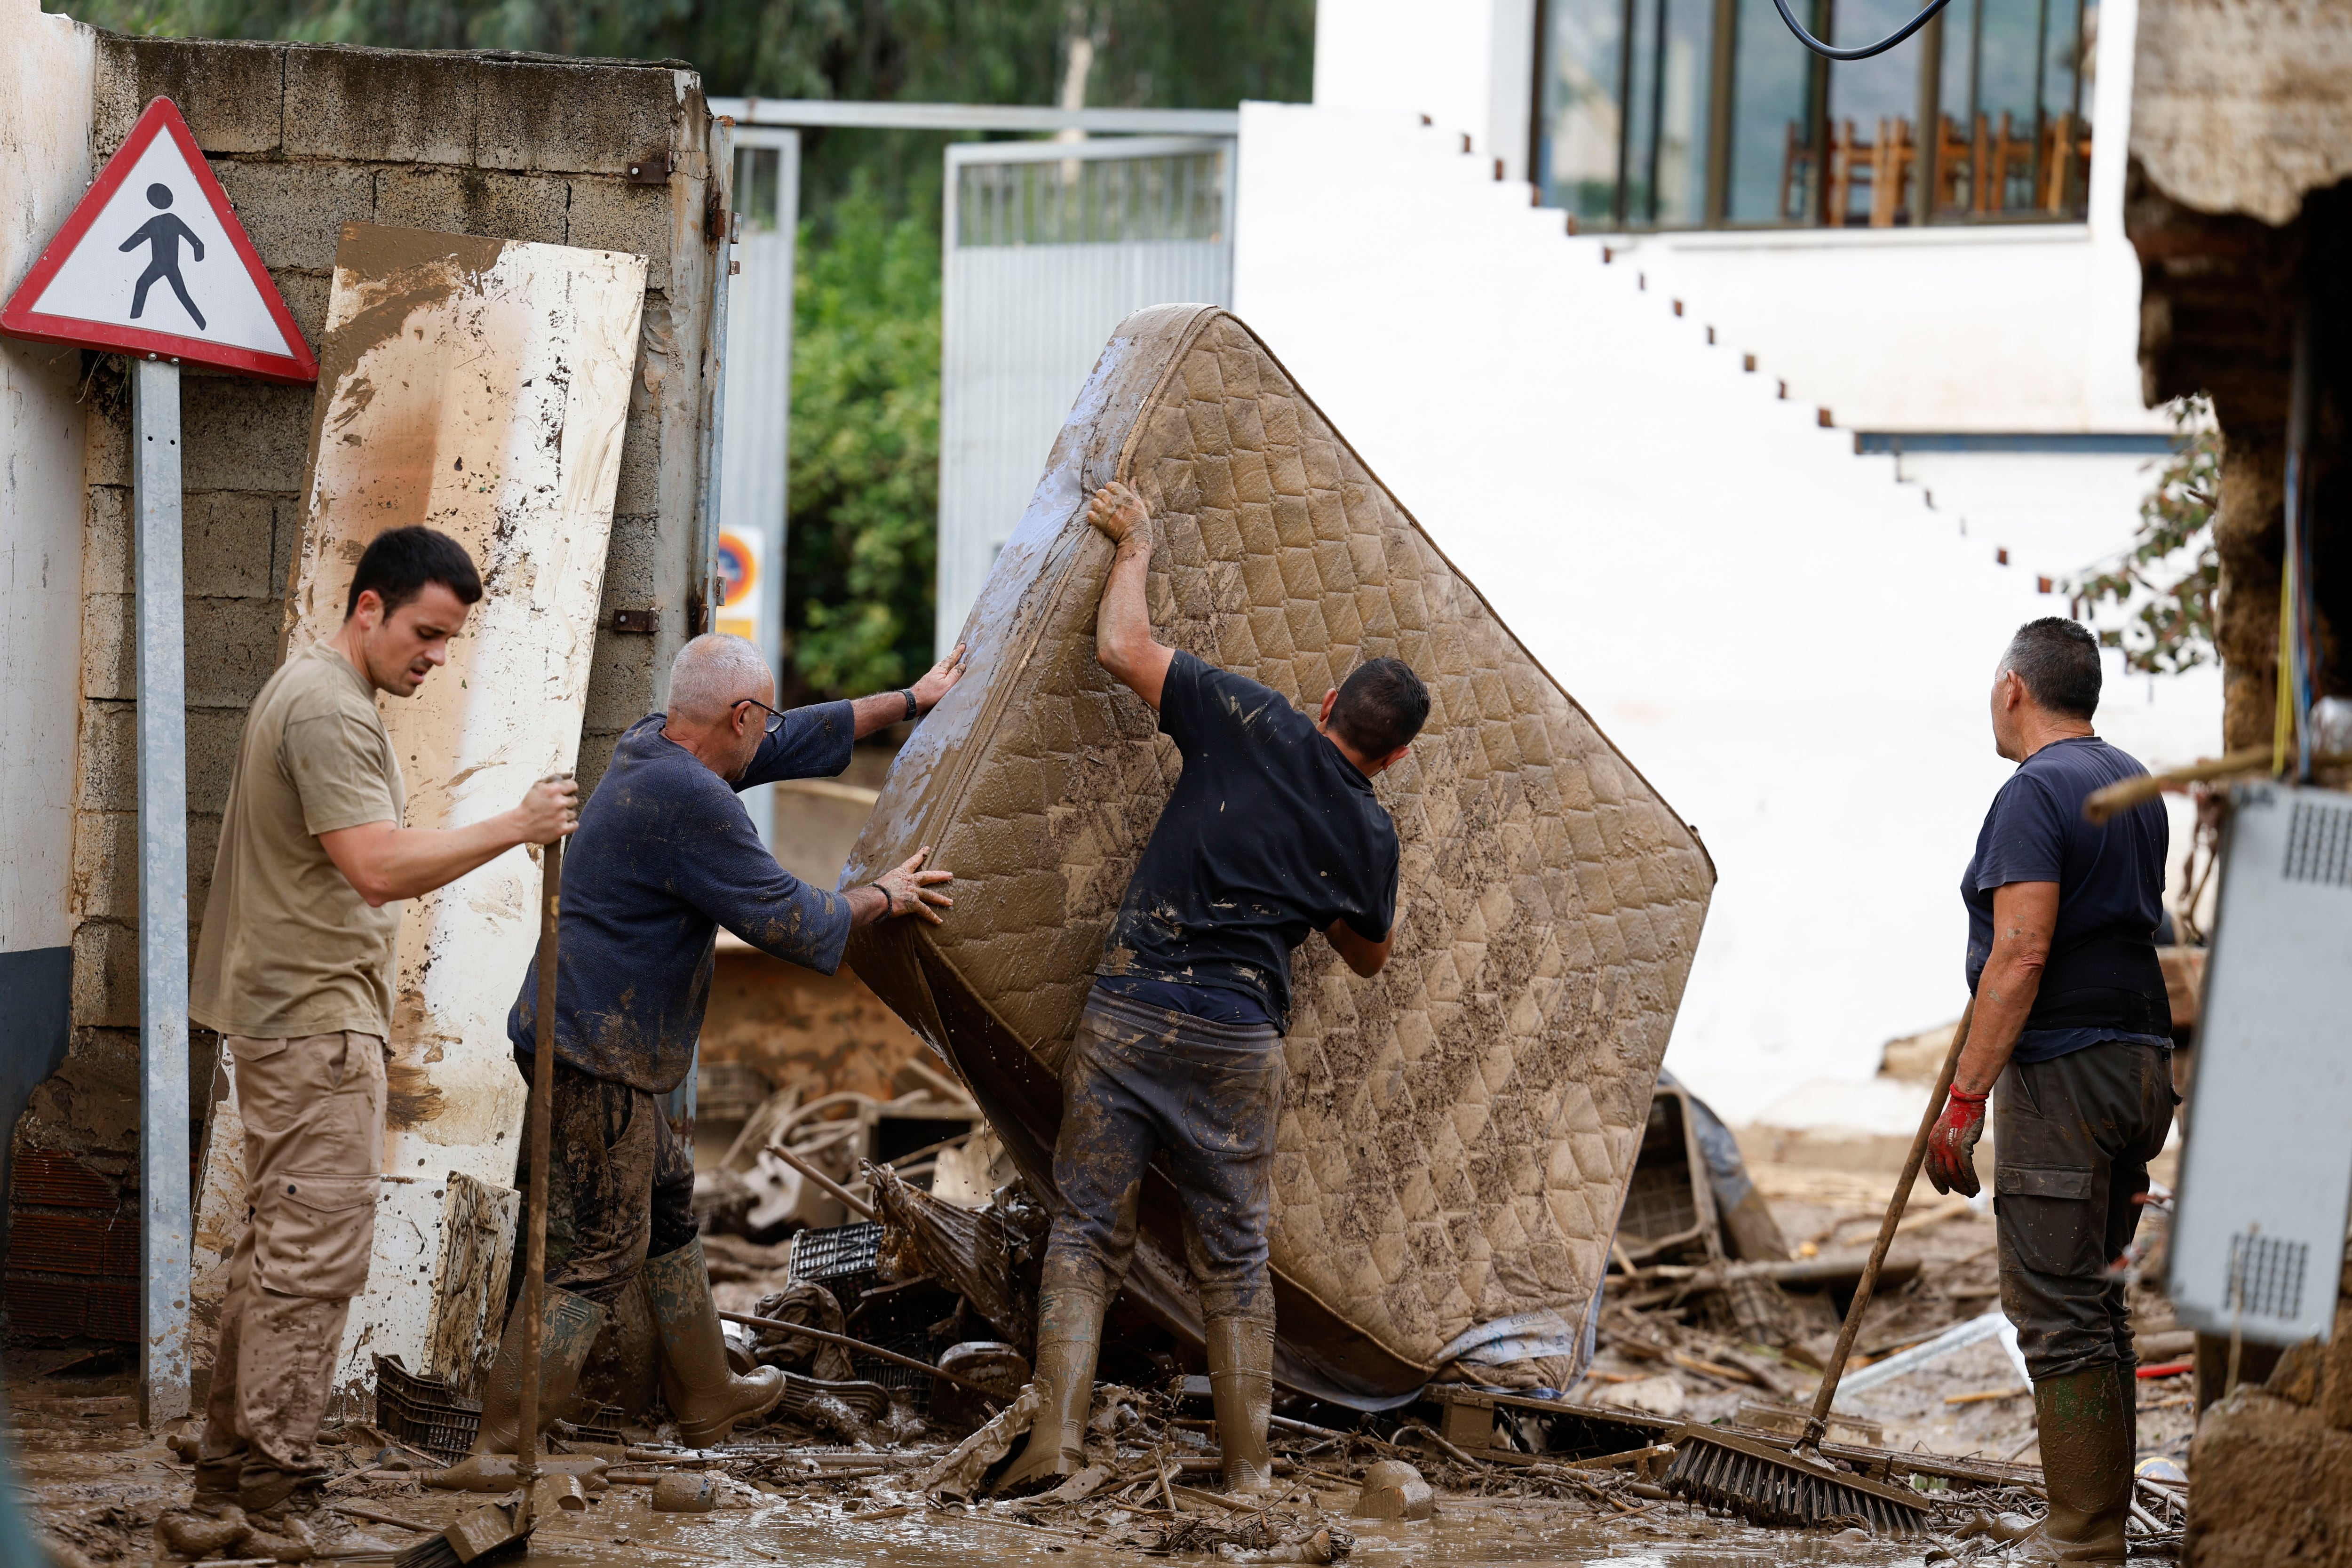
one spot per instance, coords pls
(163, 231)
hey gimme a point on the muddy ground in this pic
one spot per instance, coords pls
(97, 1482)
(1958, 1280)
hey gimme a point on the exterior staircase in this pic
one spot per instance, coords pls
(1790, 642)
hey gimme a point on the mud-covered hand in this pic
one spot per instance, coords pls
(1119, 514)
(938, 679)
(911, 890)
(549, 810)
(1952, 1146)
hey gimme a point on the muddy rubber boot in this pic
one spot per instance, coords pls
(572, 1324)
(1241, 1393)
(2086, 1466)
(707, 1398)
(217, 1478)
(1069, 1339)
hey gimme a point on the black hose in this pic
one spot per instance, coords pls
(1880, 47)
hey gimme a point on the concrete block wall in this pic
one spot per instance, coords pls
(305, 139)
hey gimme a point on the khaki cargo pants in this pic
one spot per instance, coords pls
(313, 1115)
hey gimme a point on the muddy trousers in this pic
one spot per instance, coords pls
(312, 1110)
(1143, 1084)
(2071, 1139)
(619, 1176)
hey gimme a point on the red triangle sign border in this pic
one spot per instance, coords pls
(161, 118)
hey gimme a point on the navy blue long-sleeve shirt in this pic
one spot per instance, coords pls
(664, 857)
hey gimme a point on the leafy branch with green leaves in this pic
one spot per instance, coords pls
(2165, 581)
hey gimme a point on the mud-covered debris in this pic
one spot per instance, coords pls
(685, 1492)
(1261, 1537)
(986, 1256)
(501, 1472)
(992, 1363)
(802, 1302)
(958, 1472)
(201, 1532)
(1394, 1490)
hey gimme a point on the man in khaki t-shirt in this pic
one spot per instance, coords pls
(294, 967)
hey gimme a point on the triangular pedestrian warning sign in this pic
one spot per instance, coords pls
(154, 263)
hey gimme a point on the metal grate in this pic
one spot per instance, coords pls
(1093, 201)
(2266, 1275)
(2319, 845)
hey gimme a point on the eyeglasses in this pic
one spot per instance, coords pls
(775, 720)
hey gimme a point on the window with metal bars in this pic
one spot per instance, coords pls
(1091, 201)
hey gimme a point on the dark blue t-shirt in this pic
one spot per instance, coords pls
(2102, 981)
(1269, 834)
(664, 857)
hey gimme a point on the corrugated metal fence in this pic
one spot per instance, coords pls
(1048, 245)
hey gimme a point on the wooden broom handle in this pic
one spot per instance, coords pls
(2103, 803)
(542, 1094)
(1818, 1424)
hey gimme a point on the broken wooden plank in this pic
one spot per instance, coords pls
(480, 386)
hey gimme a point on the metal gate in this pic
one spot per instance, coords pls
(759, 372)
(1046, 247)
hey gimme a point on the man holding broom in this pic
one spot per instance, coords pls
(294, 967)
(2072, 1021)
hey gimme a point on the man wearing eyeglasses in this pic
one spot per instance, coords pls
(664, 855)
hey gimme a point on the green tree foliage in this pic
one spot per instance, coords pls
(864, 442)
(2165, 581)
(865, 449)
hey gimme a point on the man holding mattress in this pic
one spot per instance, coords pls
(1273, 832)
(666, 855)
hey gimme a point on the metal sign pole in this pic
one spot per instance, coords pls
(163, 894)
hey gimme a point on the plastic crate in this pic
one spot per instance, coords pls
(1668, 1211)
(900, 1319)
(905, 1382)
(437, 1419)
(426, 1414)
(835, 1252)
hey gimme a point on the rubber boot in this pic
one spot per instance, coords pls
(1241, 1393)
(572, 1325)
(1069, 1339)
(2086, 1466)
(705, 1397)
(216, 1477)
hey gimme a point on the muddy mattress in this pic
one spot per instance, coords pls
(1457, 1132)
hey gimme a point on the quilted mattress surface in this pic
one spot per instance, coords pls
(1458, 1132)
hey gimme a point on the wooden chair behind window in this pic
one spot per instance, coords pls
(1851, 168)
(1954, 167)
(2066, 150)
(1796, 174)
(1891, 164)
(1997, 156)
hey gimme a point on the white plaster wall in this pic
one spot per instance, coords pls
(1786, 639)
(44, 114)
(2007, 329)
(1469, 65)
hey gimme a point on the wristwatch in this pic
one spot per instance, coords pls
(909, 695)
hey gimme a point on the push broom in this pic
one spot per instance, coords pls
(1766, 1484)
(503, 1529)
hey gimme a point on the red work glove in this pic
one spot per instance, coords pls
(1952, 1146)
